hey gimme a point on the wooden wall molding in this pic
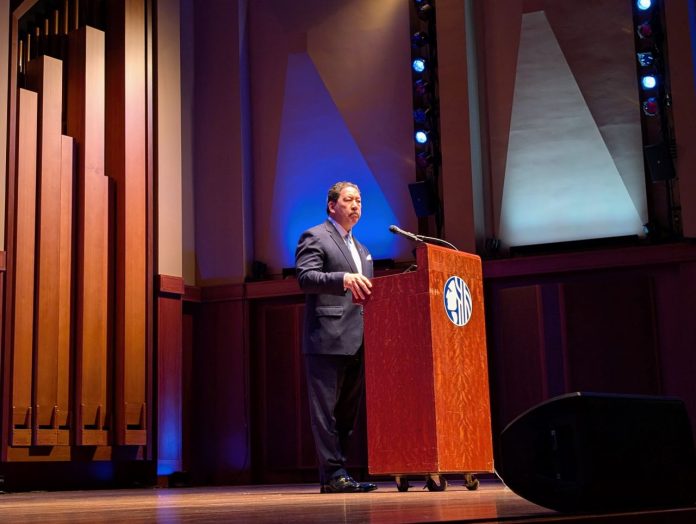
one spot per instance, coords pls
(170, 285)
(638, 256)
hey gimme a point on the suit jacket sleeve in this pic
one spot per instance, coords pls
(311, 264)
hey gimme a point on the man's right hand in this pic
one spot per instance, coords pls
(358, 284)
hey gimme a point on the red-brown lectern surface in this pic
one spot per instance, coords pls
(428, 408)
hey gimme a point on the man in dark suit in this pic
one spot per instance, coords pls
(332, 267)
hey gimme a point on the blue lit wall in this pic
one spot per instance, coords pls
(315, 150)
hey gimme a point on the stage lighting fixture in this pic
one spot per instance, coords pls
(420, 114)
(424, 159)
(424, 10)
(648, 82)
(651, 106)
(644, 30)
(645, 59)
(643, 5)
(420, 87)
(419, 65)
(420, 39)
(421, 136)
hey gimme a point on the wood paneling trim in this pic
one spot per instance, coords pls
(249, 290)
(8, 334)
(222, 293)
(86, 123)
(192, 294)
(272, 288)
(126, 164)
(169, 383)
(171, 285)
(65, 289)
(590, 260)
(45, 76)
(24, 252)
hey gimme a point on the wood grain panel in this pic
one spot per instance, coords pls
(280, 390)
(65, 290)
(519, 378)
(169, 384)
(45, 76)
(24, 253)
(602, 353)
(220, 418)
(460, 366)
(85, 122)
(126, 163)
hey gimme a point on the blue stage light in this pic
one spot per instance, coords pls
(419, 65)
(648, 82)
(420, 87)
(420, 39)
(420, 115)
(421, 136)
(645, 59)
(644, 5)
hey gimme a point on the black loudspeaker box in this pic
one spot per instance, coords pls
(423, 198)
(660, 164)
(585, 452)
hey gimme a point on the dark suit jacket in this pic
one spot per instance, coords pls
(333, 323)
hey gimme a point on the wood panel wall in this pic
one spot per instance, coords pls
(77, 355)
(126, 164)
(607, 321)
(170, 372)
(612, 321)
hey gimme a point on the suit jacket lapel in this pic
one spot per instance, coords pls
(340, 243)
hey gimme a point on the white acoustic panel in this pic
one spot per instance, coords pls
(561, 183)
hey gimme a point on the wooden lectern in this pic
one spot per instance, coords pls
(428, 407)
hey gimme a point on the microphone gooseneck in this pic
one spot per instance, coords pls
(398, 231)
(419, 238)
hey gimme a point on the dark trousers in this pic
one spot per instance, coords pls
(335, 386)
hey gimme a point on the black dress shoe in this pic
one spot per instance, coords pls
(346, 484)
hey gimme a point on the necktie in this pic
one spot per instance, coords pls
(354, 252)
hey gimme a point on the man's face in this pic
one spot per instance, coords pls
(346, 210)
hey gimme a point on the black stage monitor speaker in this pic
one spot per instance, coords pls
(595, 451)
(659, 159)
(424, 198)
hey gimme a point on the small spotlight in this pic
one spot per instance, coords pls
(424, 10)
(420, 87)
(424, 159)
(645, 59)
(421, 136)
(651, 106)
(644, 30)
(648, 82)
(419, 65)
(420, 39)
(644, 5)
(420, 115)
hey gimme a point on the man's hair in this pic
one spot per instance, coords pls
(335, 191)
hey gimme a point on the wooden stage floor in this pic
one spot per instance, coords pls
(492, 502)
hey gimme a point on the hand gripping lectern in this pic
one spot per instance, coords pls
(426, 371)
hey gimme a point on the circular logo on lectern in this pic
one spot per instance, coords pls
(458, 303)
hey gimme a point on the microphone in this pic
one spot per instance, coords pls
(420, 238)
(399, 231)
